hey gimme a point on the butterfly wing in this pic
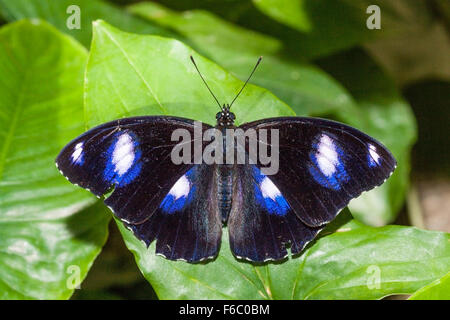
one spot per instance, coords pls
(130, 157)
(154, 197)
(261, 221)
(187, 223)
(323, 165)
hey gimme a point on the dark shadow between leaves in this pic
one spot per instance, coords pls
(81, 225)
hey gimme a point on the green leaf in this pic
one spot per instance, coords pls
(48, 258)
(292, 13)
(437, 290)
(55, 12)
(306, 88)
(355, 262)
(384, 115)
(325, 27)
(129, 74)
(42, 230)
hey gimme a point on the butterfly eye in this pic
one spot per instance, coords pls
(232, 116)
(218, 115)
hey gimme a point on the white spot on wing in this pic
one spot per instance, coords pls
(373, 153)
(123, 154)
(268, 189)
(327, 157)
(76, 155)
(180, 188)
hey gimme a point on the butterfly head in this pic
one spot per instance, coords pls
(225, 117)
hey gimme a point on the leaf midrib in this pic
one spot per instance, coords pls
(245, 276)
(13, 126)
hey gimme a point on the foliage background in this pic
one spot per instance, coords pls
(319, 60)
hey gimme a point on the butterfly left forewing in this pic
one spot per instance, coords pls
(129, 158)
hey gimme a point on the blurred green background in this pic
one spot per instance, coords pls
(321, 60)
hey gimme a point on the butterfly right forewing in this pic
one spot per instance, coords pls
(324, 164)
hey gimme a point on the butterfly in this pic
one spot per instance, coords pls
(322, 165)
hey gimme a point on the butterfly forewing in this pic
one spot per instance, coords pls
(132, 157)
(324, 164)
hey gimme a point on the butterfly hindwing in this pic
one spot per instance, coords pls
(130, 156)
(324, 164)
(261, 222)
(187, 224)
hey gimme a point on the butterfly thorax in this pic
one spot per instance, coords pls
(225, 118)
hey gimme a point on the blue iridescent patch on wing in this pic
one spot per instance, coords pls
(326, 166)
(123, 157)
(180, 194)
(268, 195)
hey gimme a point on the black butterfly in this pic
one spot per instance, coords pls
(322, 166)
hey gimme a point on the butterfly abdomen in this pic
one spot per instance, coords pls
(224, 174)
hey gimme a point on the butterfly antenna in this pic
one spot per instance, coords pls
(257, 63)
(195, 65)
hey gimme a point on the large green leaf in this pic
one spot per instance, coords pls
(355, 262)
(42, 230)
(437, 290)
(304, 87)
(55, 12)
(130, 74)
(385, 115)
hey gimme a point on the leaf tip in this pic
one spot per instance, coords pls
(97, 22)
